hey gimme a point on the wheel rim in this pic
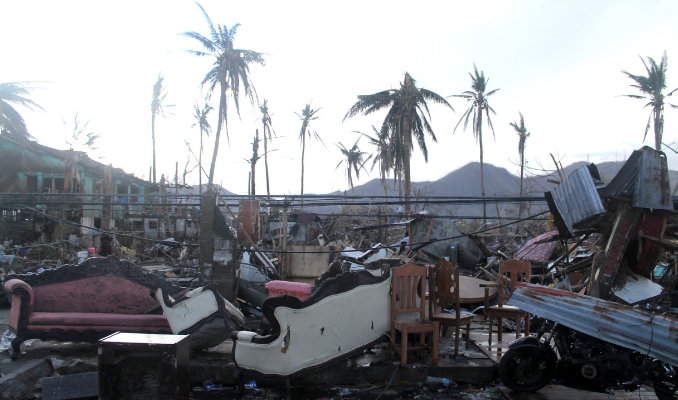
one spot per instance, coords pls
(527, 370)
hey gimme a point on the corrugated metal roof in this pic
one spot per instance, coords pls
(648, 333)
(577, 200)
(644, 178)
(537, 252)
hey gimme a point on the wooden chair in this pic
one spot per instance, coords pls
(404, 285)
(510, 273)
(443, 289)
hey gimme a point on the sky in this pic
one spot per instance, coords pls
(557, 62)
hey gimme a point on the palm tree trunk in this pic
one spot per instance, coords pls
(253, 181)
(224, 121)
(482, 175)
(200, 165)
(522, 166)
(407, 138)
(303, 150)
(658, 128)
(268, 189)
(153, 138)
(350, 179)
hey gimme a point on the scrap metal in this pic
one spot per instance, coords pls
(647, 332)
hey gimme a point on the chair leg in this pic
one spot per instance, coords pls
(436, 339)
(403, 346)
(500, 326)
(527, 324)
(468, 336)
(287, 388)
(422, 343)
(489, 340)
(393, 338)
(456, 339)
(444, 329)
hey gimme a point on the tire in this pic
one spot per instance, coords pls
(527, 369)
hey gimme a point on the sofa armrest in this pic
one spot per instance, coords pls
(245, 336)
(22, 302)
(248, 336)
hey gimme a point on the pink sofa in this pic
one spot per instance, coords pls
(83, 303)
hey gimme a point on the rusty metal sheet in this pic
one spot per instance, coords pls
(644, 177)
(643, 331)
(577, 200)
(248, 220)
(537, 252)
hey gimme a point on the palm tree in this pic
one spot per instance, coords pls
(651, 87)
(307, 115)
(478, 99)
(383, 154)
(157, 108)
(354, 159)
(230, 71)
(406, 117)
(81, 139)
(204, 126)
(268, 128)
(10, 120)
(523, 135)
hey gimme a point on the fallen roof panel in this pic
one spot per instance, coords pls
(648, 333)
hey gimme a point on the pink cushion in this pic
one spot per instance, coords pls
(98, 294)
(98, 319)
(297, 289)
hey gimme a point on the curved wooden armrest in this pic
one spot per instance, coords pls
(13, 284)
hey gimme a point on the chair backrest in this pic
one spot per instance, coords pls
(510, 273)
(404, 282)
(443, 287)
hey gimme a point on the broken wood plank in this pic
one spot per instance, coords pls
(487, 271)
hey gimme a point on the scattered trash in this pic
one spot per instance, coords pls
(7, 338)
(432, 380)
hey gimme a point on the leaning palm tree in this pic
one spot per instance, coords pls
(652, 87)
(383, 154)
(406, 118)
(204, 125)
(230, 71)
(15, 93)
(479, 105)
(157, 108)
(354, 159)
(307, 115)
(523, 135)
(268, 128)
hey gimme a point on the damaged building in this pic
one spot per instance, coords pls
(69, 185)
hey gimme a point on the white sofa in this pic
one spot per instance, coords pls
(201, 313)
(344, 315)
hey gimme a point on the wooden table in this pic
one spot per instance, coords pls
(169, 356)
(470, 291)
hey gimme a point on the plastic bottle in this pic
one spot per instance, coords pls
(435, 380)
